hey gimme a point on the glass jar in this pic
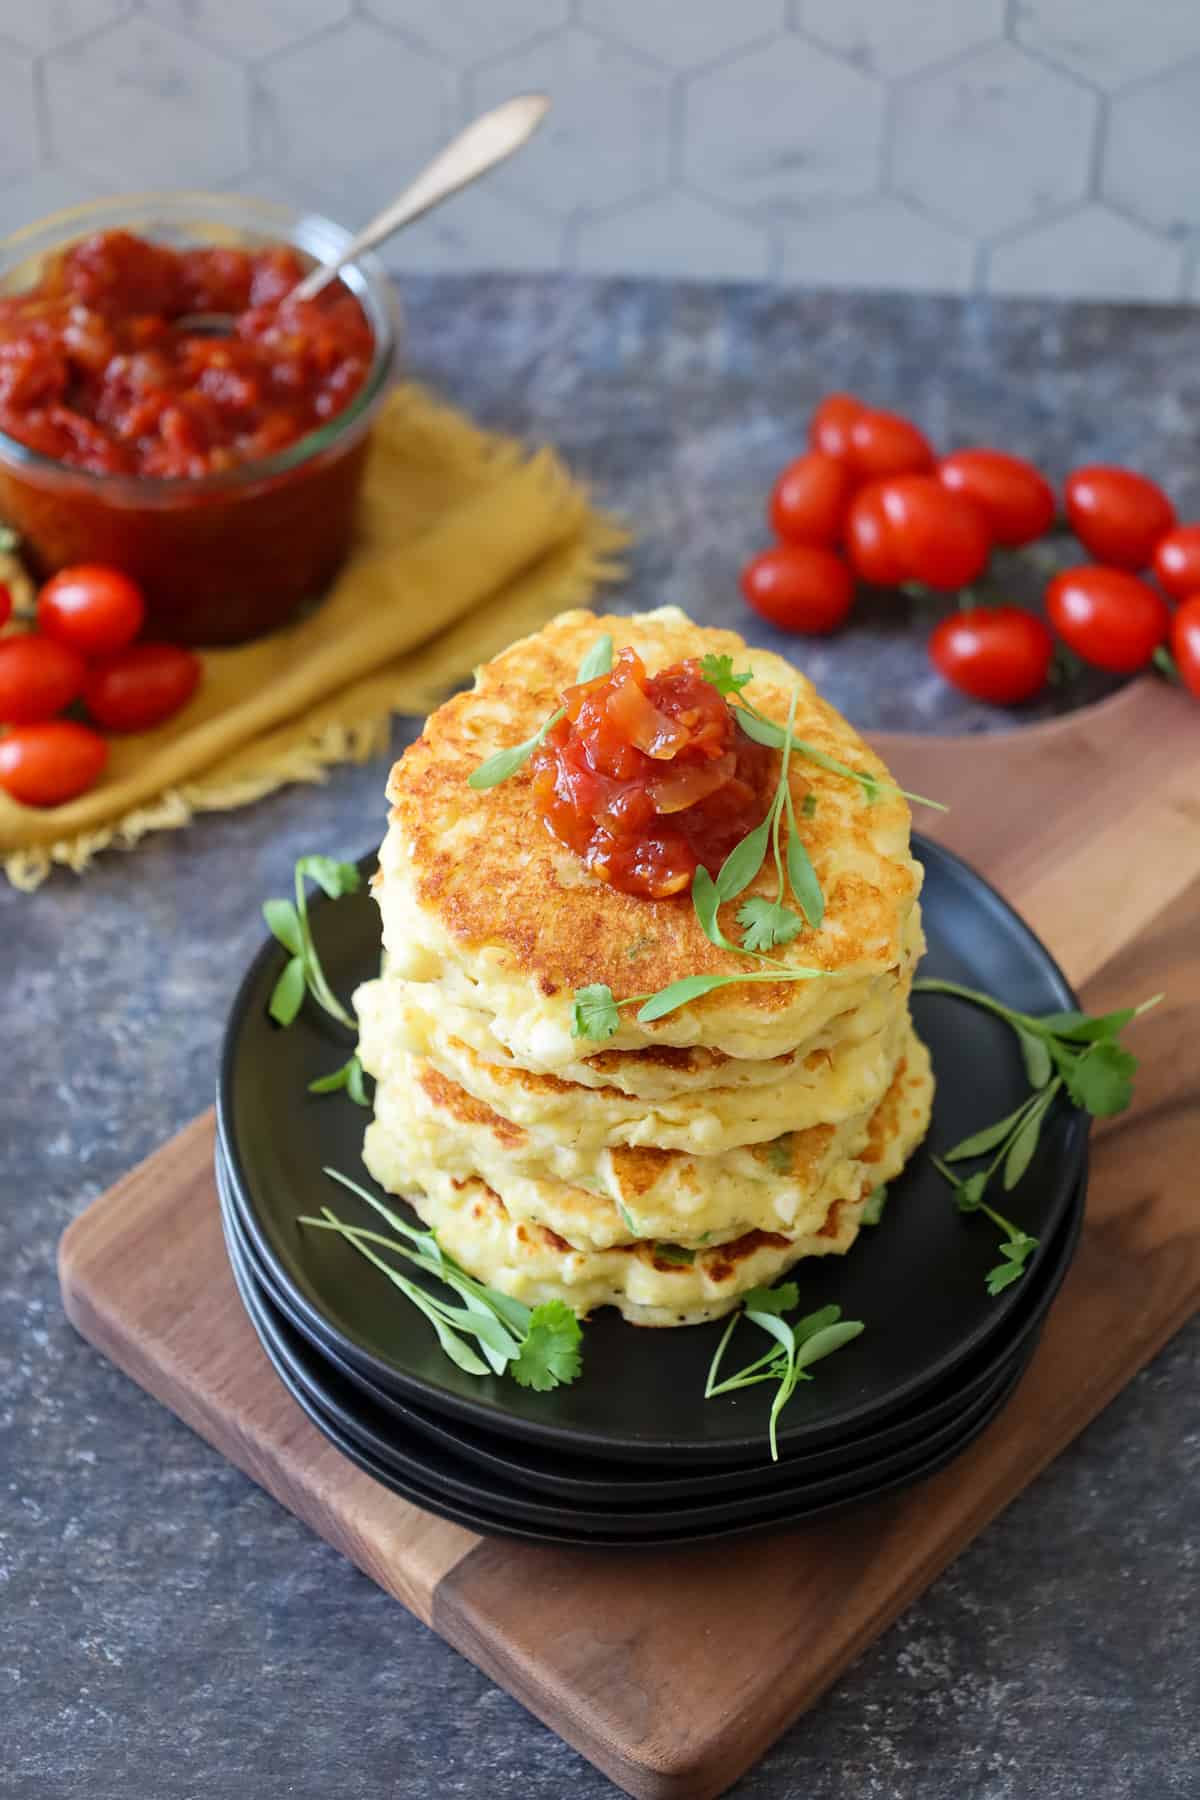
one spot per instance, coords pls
(222, 557)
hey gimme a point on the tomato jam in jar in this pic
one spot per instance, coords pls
(648, 776)
(218, 467)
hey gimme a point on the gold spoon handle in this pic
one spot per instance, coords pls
(478, 148)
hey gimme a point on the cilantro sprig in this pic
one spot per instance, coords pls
(596, 1014)
(766, 923)
(287, 921)
(1016, 1246)
(499, 767)
(1074, 1053)
(719, 671)
(303, 973)
(794, 1348)
(538, 1346)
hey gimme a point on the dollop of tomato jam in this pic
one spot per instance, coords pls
(97, 372)
(648, 776)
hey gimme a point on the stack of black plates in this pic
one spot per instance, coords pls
(631, 1453)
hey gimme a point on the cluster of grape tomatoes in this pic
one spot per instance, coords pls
(869, 501)
(82, 651)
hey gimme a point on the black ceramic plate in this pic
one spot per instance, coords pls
(412, 1457)
(410, 1453)
(585, 1482)
(917, 1279)
(439, 1483)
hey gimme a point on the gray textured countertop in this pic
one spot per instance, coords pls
(165, 1629)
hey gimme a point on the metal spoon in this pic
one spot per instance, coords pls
(487, 141)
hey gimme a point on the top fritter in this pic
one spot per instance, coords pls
(512, 896)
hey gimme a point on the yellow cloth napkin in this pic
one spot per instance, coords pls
(464, 542)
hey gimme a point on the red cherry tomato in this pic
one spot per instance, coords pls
(37, 678)
(885, 443)
(1185, 644)
(830, 426)
(94, 610)
(809, 501)
(940, 538)
(1015, 498)
(141, 686)
(47, 764)
(1107, 616)
(5, 604)
(1177, 561)
(1117, 515)
(869, 541)
(799, 587)
(1000, 654)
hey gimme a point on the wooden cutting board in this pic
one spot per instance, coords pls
(673, 1673)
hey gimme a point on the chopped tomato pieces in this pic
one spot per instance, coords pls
(96, 370)
(648, 776)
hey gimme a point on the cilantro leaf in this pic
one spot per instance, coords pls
(594, 1012)
(802, 878)
(1024, 1140)
(981, 1141)
(815, 1322)
(1036, 1055)
(744, 861)
(287, 996)
(829, 1338)
(779, 1299)
(706, 903)
(332, 877)
(766, 923)
(550, 1356)
(539, 1347)
(792, 1347)
(598, 660)
(678, 993)
(288, 923)
(694, 987)
(766, 731)
(283, 922)
(1070, 1049)
(968, 1194)
(808, 805)
(503, 763)
(349, 1076)
(719, 671)
(1101, 1081)
(1003, 1275)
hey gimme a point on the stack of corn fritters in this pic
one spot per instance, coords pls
(679, 1163)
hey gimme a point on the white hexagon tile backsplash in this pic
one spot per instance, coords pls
(1028, 147)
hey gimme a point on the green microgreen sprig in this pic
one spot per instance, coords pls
(596, 1014)
(1016, 1246)
(539, 1346)
(720, 672)
(793, 1350)
(349, 1077)
(504, 763)
(287, 920)
(766, 923)
(1071, 1052)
